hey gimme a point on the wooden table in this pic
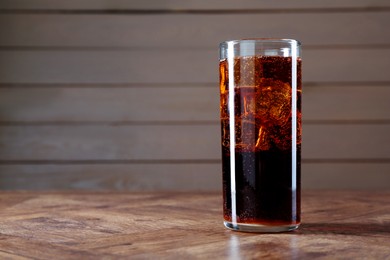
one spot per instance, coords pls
(65, 225)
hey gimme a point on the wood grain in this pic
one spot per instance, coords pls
(110, 103)
(178, 176)
(132, 142)
(166, 66)
(177, 142)
(175, 5)
(124, 95)
(321, 30)
(348, 103)
(185, 225)
(343, 175)
(125, 177)
(181, 103)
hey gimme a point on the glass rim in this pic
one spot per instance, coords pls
(262, 40)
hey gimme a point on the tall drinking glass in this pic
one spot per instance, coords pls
(260, 91)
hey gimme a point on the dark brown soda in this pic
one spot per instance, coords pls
(263, 146)
(264, 192)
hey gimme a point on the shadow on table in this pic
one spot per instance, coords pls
(344, 229)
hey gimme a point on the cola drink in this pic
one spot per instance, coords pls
(261, 141)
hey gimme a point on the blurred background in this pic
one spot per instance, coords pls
(124, 95)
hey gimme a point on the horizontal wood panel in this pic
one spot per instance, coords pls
(179, 177)
(110, 104)
(174, 31)
(165, 53)
(180, 66)
(346, 141)
(347, 103)
(110, 142)
(176, 142)
(178, 4)
(180, 103)
(346, 176)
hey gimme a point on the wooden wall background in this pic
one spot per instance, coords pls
(110, 94)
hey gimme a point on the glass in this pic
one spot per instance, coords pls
(260, 91)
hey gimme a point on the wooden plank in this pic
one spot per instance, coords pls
(75, 103)
(86, 225)
(346, 141)
(177, 142)
(158, 31)
(6, 255)
(179, 5)
(344, 176)
(176, 66)
(128, 177)
(142, 104)
(179, 177)
(110, 142)
(348, 103)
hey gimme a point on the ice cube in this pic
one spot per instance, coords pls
(263, 139)
(281, 135)
(273, 102)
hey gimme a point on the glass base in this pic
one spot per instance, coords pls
(259, 228)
